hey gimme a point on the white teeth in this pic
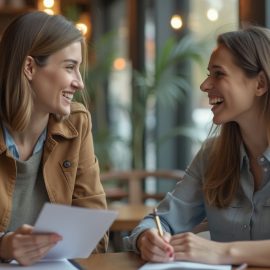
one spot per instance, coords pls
(215, 100)
(68, 95)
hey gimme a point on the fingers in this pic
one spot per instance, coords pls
(179, 241)
(27, 248)
(183, 242)
(167, 237)
(28, 242)
(154, 248)
(25, 229)
(191, 247)
(31, 256)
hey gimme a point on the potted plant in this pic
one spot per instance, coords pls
(164, 85)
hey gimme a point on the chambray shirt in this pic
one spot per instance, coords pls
(246, 218)
(12, 147)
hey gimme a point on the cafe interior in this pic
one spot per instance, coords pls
(147, 59)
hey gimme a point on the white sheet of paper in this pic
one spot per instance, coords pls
(48, 265)
(81, 229)
(183, 266)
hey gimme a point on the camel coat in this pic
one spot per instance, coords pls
(70, 168)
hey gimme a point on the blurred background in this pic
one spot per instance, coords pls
(147, 60)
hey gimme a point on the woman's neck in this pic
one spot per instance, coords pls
(27, 139)
(255, 140)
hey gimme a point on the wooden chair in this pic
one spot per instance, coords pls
(125, 194)
(129, 185)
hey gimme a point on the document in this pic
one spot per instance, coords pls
(81, 229)
(43, 265)
(180, 265)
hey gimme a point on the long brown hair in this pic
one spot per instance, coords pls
(35, 34)
(251, 50)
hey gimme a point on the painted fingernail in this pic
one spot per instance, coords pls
(169, 253)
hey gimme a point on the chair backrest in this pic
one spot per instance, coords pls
(129, 184)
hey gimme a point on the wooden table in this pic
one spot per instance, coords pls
(129, 215)
(112, 261)
(121, 261)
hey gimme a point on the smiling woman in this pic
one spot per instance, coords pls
(228, 182)
(46, 142)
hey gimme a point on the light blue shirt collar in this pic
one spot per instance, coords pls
(12, 147)
(267, 153)
(243, 154)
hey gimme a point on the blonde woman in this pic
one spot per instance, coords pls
(46, 146)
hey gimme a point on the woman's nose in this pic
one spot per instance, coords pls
(206, 85)
(78, 82)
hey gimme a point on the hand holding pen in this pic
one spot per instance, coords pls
(154, 245)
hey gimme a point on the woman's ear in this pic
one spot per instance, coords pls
(29, 67)
(262, 86)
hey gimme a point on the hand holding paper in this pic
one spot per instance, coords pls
(81, 229)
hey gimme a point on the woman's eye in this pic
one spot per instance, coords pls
(70, 67)
(218, 73)
(215, 74)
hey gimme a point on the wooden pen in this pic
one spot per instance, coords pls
(157, 220)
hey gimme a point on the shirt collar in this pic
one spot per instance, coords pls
(243, 154)
(12, 147)
(266, 153)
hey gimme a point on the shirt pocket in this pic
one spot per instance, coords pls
(224, 223)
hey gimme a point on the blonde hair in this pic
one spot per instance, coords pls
(251, 50)
(35, 34)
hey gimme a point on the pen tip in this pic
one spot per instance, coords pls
(155, 211)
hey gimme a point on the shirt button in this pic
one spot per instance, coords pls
(66, 164)
(262, 159)
(265, 169)
(245, 226)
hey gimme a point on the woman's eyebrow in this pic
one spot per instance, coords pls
(214, 66)
(71, 60)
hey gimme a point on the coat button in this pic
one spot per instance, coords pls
(66, 163)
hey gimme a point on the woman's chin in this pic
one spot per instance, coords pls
(218, 121)
(64, 111)
(61, 115)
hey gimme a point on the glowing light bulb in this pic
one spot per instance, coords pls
(48, 3)
(212, 14)
(82, 27)
(176, 22)
(119, 63)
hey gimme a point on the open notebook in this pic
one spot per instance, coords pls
(184, 266)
